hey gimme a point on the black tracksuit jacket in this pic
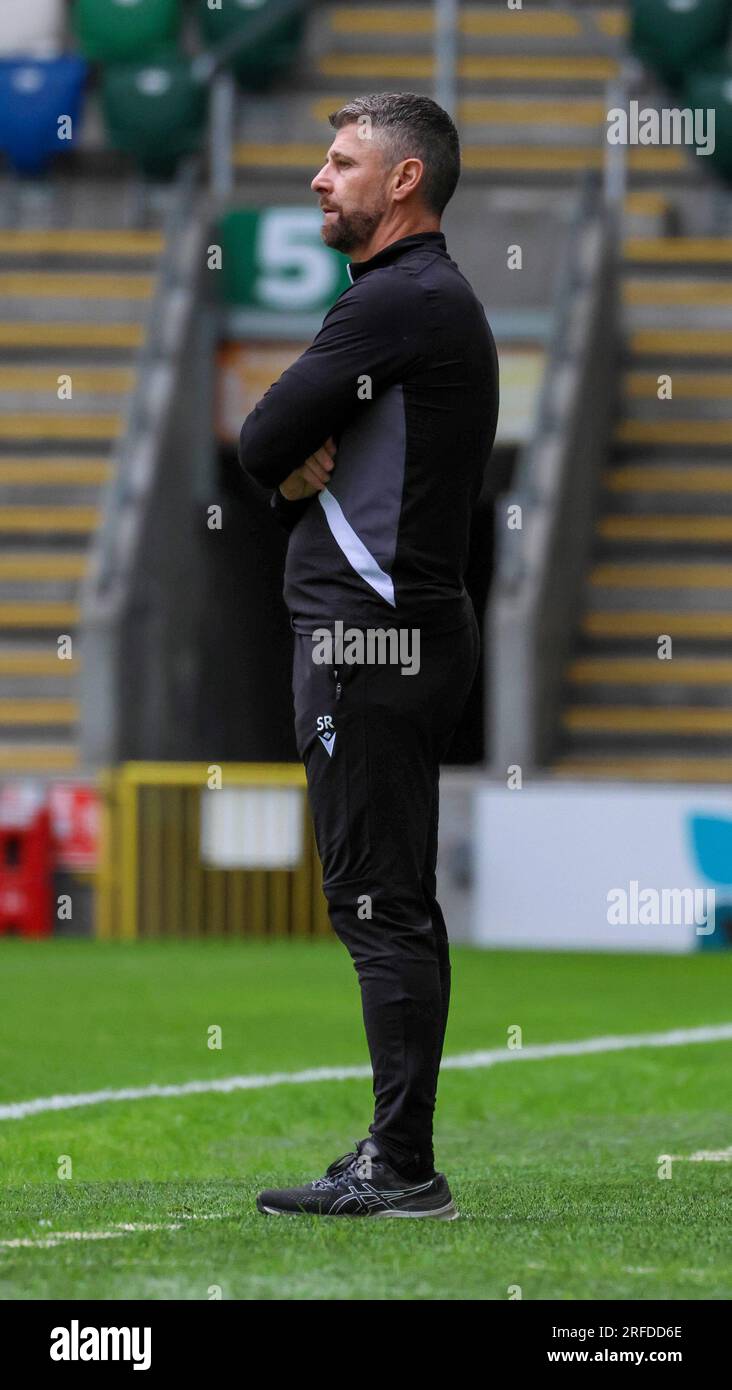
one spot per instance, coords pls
(404, 375)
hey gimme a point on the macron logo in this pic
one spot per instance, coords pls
(101, 1344)
(328, 742)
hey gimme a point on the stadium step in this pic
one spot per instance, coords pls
(43, 386)
(508, 116)
(47, 470)
(683, 583)
(41, 575)
(645, 401)
(33, 671)
(33, 757)
(34, 617)
(684, 487)
(705, 530)
(87, 245)
(48, 521)
(507, 65)
(22, 565)
(678, 432)
(639, 719)
(479, 117)
(645, 680)
(42, 426)
(690, 343)
(513, 157)
(676, 303)
(20, 661)
(648, 475)
(45, 336)
(678, 250)
(38, 712)
(92, 285)
(673, 291)
(629, 624)
(349, 25)
(612, 670)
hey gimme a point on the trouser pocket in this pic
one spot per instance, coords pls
(331, 740)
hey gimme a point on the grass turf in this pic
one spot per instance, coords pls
(553, 1162)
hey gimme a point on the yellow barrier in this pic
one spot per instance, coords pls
(151, 879)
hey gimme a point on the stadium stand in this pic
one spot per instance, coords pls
(661, 556)
(92, 314)
(660, 562)
(72, 319)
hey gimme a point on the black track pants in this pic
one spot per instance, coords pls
(371, 739)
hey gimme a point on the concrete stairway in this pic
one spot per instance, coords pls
(531, 86)
(663, 556)
(73, 305)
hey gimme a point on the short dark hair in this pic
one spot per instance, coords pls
(413, 126)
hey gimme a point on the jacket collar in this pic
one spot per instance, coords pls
(435, 241)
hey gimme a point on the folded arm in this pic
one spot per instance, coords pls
(367, 340)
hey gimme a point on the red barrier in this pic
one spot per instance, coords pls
(25, 862)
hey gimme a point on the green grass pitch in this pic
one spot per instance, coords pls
(553, 1162)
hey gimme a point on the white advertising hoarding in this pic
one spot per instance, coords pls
(595, 867)
(252, 827)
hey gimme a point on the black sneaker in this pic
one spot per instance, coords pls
(362, 1183)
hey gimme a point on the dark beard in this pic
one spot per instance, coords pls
(351, 230)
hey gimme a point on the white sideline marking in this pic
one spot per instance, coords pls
(121, 1228)
(466, 1061)
(701, 1156)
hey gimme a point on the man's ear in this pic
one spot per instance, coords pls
(409, 177)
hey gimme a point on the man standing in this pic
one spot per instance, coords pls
(376, 441)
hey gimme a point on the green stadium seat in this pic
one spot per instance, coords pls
(710, 86)
(671, 35)
(258, 64)
(115, 31)
(154, 112)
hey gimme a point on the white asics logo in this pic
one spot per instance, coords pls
(326, 732)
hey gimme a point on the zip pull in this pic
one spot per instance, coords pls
(338, 684)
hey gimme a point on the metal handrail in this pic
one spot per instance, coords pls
(512, 557)
(539, 571)
(446, 29)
